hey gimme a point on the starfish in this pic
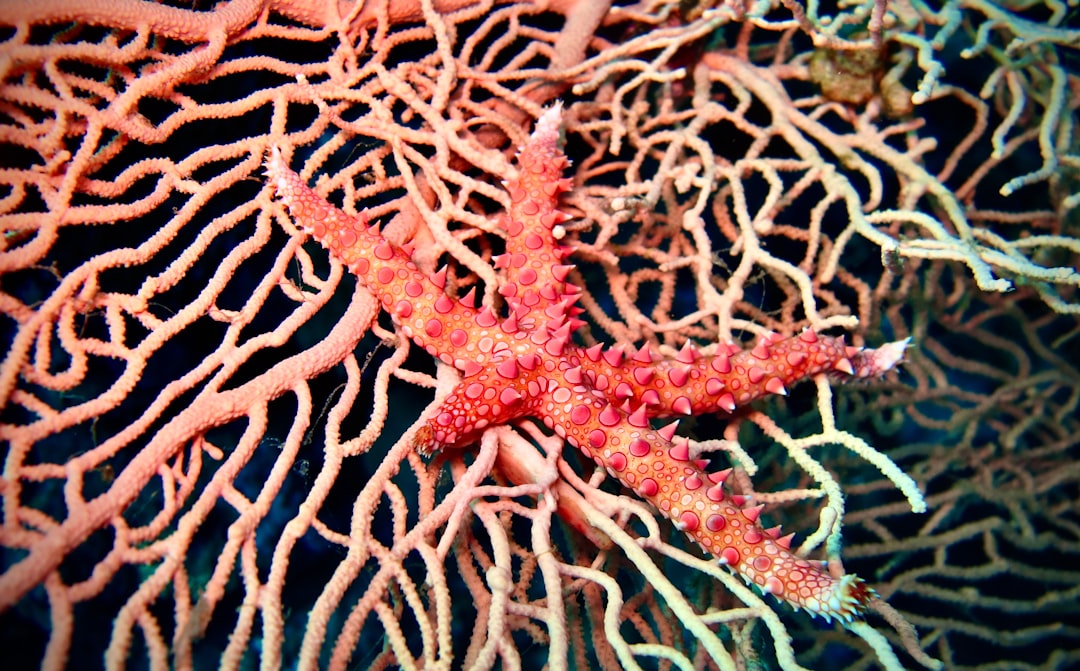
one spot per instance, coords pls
(522, 363)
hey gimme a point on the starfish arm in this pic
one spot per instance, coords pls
(492, 397)
(533, 273)
(692, 384)
(869, 363)
(454, 332)
(659, 470)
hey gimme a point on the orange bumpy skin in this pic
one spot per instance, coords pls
(601, 400)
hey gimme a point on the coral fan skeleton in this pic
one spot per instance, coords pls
(601, 400)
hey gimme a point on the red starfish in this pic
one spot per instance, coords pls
(599, 399)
